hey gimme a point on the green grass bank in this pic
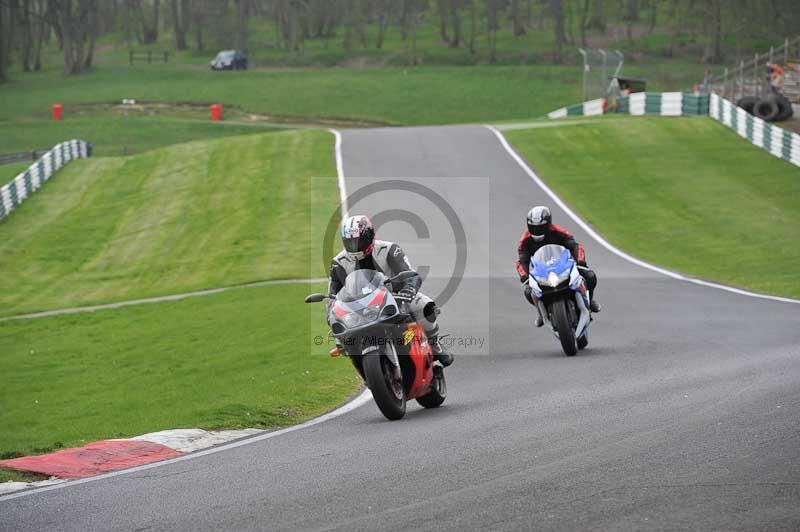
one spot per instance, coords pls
(685, 193)
(197, 215)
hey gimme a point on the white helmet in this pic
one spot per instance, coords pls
(539, 222)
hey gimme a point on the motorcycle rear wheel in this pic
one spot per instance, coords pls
(438, 393)
(566, 334)
(382, 382)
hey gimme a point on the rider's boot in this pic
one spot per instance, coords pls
(445, 358)
(539, 318)
(594, 306)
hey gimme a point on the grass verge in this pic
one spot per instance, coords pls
(192, 216)
(12, 475)
(115, 134)
(686, 193)
(244, 358)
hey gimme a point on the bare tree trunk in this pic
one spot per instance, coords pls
(78, 22)
(294, 27)
(653, 16)
(149, 25)
(24, 26)
(455, 22)
(519, 25)
(631, 16)
(597, 21)
(713, 28)
(410, 17)
(473, 26)
(180, 21)
(383, 19)
(404, 19)
(557, 12)
(91, 30)
(583, 22)
(6, 35)
(41, 32)
(570, 23)
(492, 8)
(242, 34)
(441, 8)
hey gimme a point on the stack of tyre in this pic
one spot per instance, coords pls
(772, 108)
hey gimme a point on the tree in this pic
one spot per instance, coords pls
(517, 20)
(441, 9)
(181, 16)
(354, 25)
(583, 22)
(596, 20)
(149, 24)
(6, 37)
(473, 24)
(77, 21)
(199, 16)
(712, 22)
(455, 7)
(631, 15)
(382, 7)
(242, 34)
(492, 25)
(557, 12)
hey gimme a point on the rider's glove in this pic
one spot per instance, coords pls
(407, 294)
(527, 291)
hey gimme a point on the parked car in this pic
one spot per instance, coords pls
(230, 60)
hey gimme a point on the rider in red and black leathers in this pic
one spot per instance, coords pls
(541, 231)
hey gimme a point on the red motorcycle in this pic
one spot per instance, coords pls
(386, 345)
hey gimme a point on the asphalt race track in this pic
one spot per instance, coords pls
(682, 414)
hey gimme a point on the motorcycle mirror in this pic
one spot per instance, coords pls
(402, 276)
(315, 298)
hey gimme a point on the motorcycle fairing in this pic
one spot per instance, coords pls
(421, 354)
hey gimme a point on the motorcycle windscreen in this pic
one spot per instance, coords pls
(550, 258)
(360, 283)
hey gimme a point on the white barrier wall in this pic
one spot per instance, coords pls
(27, 182)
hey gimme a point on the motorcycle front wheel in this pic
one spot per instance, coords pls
(385, 381)
(566, 334)
(438, 393)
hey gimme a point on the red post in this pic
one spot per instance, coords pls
(57, 110)
(216, 112)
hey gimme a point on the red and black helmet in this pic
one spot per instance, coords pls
(358, 234)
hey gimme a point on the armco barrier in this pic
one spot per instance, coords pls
(640, 103)
(776, 140)
(26, 183)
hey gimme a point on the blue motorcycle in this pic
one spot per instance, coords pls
(563, 298)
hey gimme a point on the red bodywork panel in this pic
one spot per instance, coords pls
(421, 355)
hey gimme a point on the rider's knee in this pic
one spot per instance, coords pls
(429, 311)
(590, 277)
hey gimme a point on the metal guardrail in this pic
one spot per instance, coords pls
(30, 180)
(749, 78)
(147, 56)
(20, 157)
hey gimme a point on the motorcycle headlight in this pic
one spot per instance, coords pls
(352, 320)
(370, 314)
(553, 279)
